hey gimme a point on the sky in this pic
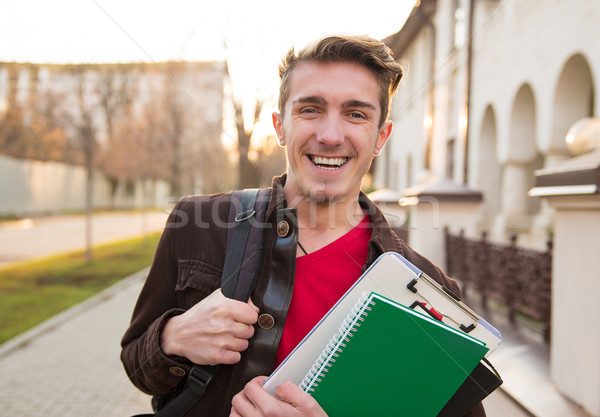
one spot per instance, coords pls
(257, 32)
(75, 31)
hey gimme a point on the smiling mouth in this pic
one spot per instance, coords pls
(328, 163)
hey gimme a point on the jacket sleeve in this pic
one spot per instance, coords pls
(145, 363)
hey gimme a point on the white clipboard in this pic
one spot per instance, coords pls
(392, 276)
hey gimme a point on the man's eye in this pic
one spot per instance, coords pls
(309, 110)
(357, 115)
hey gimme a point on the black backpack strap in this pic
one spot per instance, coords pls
(244, 244)
(242, 258)
(198, 380)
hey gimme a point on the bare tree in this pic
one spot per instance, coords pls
(82, 120)
(249, 172)
(12, 131)
(175, 110)
(116, 90)
(49, 129)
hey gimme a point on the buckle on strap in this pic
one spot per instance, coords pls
(198, 379)
(245, 215)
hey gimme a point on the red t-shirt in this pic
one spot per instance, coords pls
(321, 278)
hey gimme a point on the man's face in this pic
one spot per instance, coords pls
(330, 130)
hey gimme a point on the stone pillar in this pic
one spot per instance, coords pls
(513, 215)
(514, 190)
(572, 189)
(434, 206)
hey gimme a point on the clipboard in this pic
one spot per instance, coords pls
(394, 277)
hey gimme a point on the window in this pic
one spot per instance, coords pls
(459, 19)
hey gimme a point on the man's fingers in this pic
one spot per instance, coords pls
(293, 395)
(253, 306)
(228, 357)
(242, 406)
(289, 392)
(242, 331)
(242, 312)
(260, 380)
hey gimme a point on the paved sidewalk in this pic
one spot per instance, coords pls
(69, 366)
(523, 363)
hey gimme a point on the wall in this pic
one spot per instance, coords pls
(34, 187)
(535, 71)
(544, 52)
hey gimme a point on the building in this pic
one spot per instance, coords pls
(158, 124)
(491, 89)
(483, 130)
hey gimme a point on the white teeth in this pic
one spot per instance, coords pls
(329, 162)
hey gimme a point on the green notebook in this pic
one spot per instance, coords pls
(388, 360)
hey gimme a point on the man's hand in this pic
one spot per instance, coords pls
(254, 401)
(212, 332)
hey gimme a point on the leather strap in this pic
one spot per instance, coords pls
(278, 294)
(198, 380)
(239, 275)
(239, 270)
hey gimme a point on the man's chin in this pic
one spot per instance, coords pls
(317, 192)
(323, 196)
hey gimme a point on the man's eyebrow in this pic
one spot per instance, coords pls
(358, 103)
(311, 100)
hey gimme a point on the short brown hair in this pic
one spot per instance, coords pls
(363, 50)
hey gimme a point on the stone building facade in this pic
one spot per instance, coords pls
(482, 141)
(491, 89)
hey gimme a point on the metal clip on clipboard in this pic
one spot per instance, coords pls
(447, 294)
(442, 304)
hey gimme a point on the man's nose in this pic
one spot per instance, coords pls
(330, 131)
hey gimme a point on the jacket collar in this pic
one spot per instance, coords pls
(277, 199)
(382, 239)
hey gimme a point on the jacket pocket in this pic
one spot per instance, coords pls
(196, 280)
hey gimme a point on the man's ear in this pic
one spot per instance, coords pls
(278, 125)
(385, 132)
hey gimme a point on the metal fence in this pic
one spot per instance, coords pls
(519, 279)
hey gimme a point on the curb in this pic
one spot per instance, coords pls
(52, 323)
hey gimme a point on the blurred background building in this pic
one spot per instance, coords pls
(490, 93)
(494, 165)
(146, 132)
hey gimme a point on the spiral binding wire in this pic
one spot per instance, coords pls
(337, 343)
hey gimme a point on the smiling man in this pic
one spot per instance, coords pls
(332, 127)
(321, 234)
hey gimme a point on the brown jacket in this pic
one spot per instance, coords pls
(187, 267)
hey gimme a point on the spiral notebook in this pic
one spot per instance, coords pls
(389, 360)
(391, 275)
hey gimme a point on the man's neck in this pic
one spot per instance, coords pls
(323, 217)
(321, 223)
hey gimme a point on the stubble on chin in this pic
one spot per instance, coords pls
(318, 194)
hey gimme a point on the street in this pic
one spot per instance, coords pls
(39, 237)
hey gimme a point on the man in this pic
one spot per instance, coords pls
(333, 119)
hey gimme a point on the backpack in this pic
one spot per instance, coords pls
(240, 270)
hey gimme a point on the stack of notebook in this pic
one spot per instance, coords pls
(395, 344)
